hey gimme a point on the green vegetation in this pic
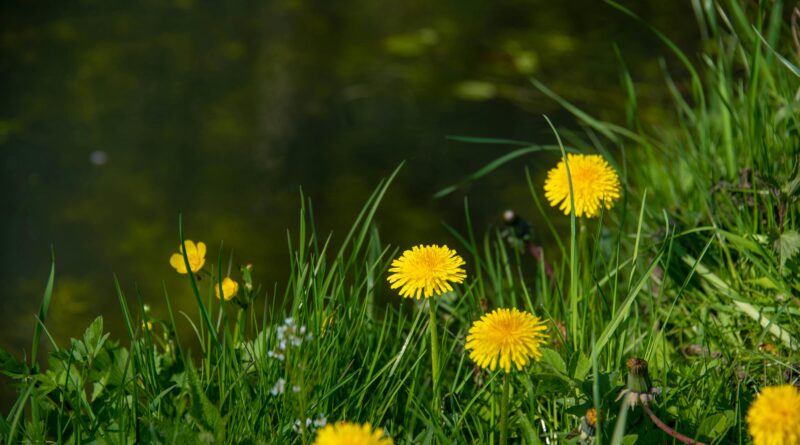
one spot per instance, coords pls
(695, 270)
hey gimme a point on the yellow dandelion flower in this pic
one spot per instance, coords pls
(774, 417)
(348, 433)
(229, 289)
(505, 336)
(196, 254)
(593, 182)
(426, 271)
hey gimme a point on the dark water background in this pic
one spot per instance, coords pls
(117, 116)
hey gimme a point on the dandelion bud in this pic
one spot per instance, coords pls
(638, 376)
(640, 388)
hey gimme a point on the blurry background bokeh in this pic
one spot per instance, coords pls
(118, 116)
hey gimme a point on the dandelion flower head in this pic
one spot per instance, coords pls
(195, 253)
(426, 271)
(506, 336)
(348, 433)
(594, 183)
(229, 288)
(774, 417)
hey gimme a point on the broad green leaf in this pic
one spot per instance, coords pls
(716, 425)
(787, 245)
(553, 359)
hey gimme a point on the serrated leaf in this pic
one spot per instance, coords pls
(553, 359)
(787, 245)
(202, 410)
(716, 425)
(93, 336)
(582, 368)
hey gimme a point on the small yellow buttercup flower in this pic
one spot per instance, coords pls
(594, 183)
(506, 336)
(195, 253)
(426, 271)
(348, 433)
(229, 288)
(774, 417)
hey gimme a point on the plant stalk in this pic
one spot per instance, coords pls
(663, 426)
(504, 410)
(434, 356)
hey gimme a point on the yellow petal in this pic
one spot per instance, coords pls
(191, 249)
(229, 289)
(201, 250)
(176, 261)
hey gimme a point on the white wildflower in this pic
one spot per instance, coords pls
(279, 387)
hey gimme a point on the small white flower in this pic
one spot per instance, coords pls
(295, 388)
(322, 421)
(279, 387)
(297, 341)
(275, 355)
(289, 321)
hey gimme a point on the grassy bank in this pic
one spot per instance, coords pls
(694, 270)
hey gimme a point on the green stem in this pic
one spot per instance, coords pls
(238, 333)
(504, 410)
(434, 357)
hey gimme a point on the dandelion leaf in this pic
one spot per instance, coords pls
(717, 425)
(787, 245)
(202, 410)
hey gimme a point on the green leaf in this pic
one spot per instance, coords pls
(94, 338)
(716, 425)
(553, 359)
(9, 365)
(43, 309)
(492, 141)
(582, 368)
(494, 165)
(630, 439)
(787, 245)
(202, 410)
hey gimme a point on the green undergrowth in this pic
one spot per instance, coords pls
(695, 270)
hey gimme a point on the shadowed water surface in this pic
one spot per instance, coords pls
(117, 117)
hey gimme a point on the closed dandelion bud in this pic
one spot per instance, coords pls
(640, 389)
(638, 377)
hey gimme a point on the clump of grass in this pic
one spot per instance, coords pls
(695, 270)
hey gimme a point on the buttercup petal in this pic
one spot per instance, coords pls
(176, 261)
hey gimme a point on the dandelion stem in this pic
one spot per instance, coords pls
(434, 356)
(504, 410)
(663, 426)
